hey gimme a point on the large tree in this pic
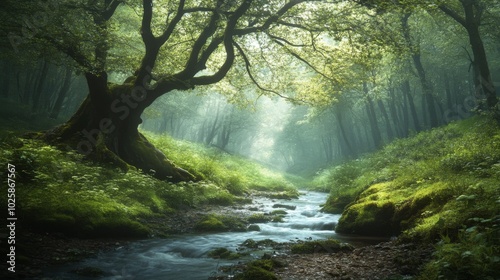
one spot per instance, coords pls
(184, 44)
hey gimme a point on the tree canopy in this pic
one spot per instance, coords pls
(390, 67)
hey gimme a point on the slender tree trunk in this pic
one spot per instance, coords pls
(394, 114)
(388, 126)
(406, 116)
(449, 95)
(56, 109)
(407, 92)
(343, 133)
(39, 88)
(427, 91)
(372, 117)
(417, 62)
(5, 80)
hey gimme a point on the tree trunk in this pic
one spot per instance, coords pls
(388, 127)
(56, 109)
(473, 11)
(413, 111)
(427, 91)
(372, 117)
(480, 59)
(417, 62)
(343, 134)
(105, 129)
(449, 95)
(39, 87)
(394, 113)
(5, 79)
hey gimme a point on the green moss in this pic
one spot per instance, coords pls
(250, 243)
(279, 212)
(217, 223)
(211, 223)
(223, 253)
(259, 218)
(432, 187)
(320, 246)
(369, 218)
(59, 191)
(260, 269)
(232, 173)
(253, 272)
(253, 228)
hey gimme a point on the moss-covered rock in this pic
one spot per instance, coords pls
(260, 269)
(211, 223)
(253, 228)
(320, 246)
(335, 204)
(218, 223)
(223, 253)
(370, 219)
(253, 273)
(259, 218)
(252, 244)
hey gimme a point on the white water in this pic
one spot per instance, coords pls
(184, 257)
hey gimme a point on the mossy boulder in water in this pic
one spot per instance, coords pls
(211, 223)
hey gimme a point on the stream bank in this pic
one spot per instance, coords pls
(185, 254)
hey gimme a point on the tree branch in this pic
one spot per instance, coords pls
(146, 32)
(192, 66)
(228, 46)
(171, 26)
(272, 19)
(274, 37)
(247, 66)
(453, 15)
(297, 56)
(110, 9)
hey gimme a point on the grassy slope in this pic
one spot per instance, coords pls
(439, 186)
(58, 191)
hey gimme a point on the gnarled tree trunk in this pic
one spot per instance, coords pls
(105, 129)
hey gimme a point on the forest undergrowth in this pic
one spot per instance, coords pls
(440, 187)
(60, 191)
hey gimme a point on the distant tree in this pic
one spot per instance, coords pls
(469, 14)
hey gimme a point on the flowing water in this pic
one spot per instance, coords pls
(185, 256)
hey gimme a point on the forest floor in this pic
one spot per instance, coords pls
(387, 260)
(381, 261)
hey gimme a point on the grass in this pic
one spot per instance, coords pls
(440, 186)
(60, 191)
(231, 172)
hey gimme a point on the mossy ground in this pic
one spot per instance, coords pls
(60, 191)
(320, 246)
(439, 186)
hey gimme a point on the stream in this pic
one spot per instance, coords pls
(185, 256)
